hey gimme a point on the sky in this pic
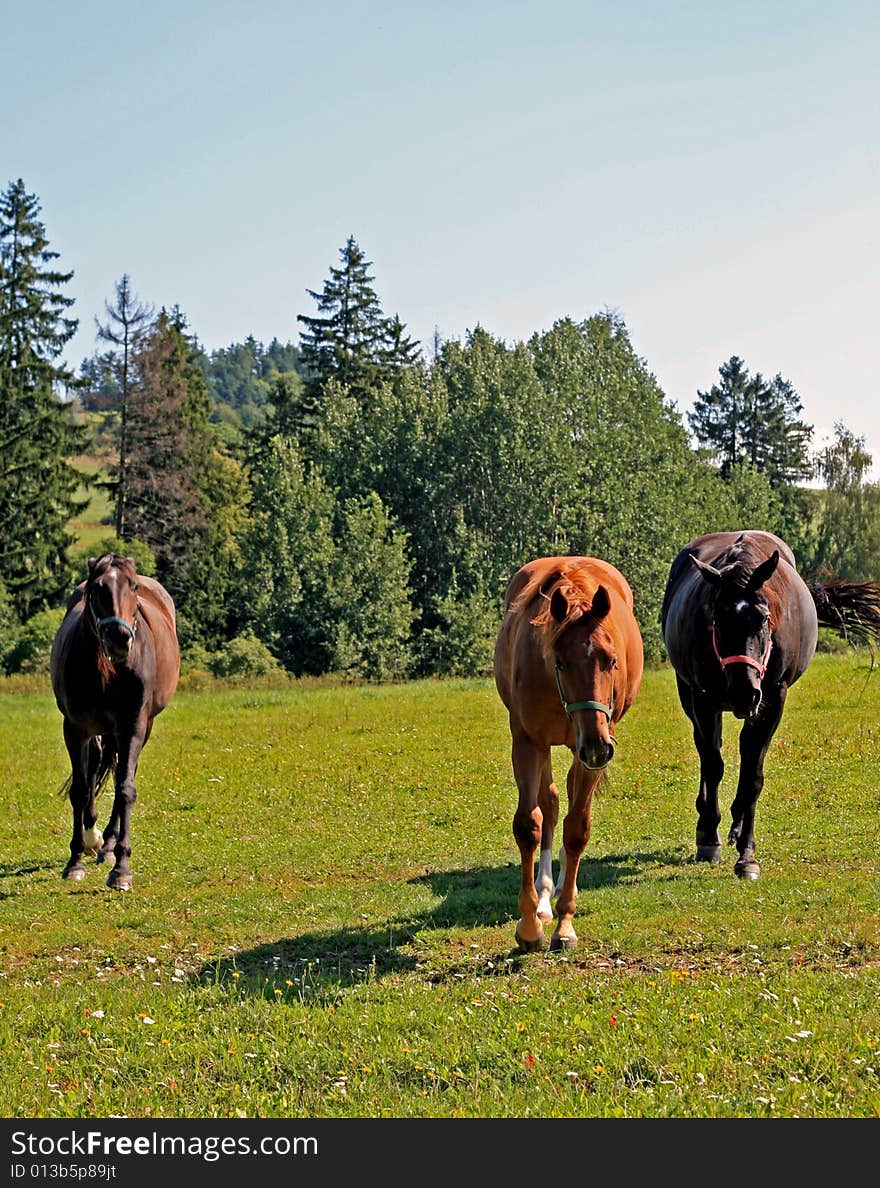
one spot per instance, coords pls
(707, 170)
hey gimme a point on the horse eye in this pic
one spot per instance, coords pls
(134, 587)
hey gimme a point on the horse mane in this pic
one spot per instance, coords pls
(739, 563)
(578, 586)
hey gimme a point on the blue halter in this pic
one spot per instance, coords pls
(97, 623)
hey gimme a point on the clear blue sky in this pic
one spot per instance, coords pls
(709, 170)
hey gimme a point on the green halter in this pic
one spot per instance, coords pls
(572, 707)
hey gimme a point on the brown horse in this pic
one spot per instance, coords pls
(568, 665)
(114, 665)
(740, 626)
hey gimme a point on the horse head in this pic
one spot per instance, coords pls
(741, 628)
(586, 664)
(112, 605)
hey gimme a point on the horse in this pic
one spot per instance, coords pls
(114, 664)
(568, 665)
(740, 627)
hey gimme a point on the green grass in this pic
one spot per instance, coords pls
(92, 523)
(324, 904)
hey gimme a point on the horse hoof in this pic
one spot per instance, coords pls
(531, 946)
(123, 883)
(105, 856)
(747, 870)
(561, 944)
(709, 854)
(73, 874)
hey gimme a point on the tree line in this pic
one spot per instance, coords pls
(355, 503)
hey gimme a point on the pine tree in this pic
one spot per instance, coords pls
(128, 321)
(37, 433)
(353, 342)
(750, 419)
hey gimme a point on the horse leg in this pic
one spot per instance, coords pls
(129, 747)
(707, 739)
(754, 742)
(78, 750)
(575, 835)
(107, 851)
(529, 764)
(548, 801)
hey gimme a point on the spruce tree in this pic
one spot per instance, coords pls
(351, 341)
(37, 433)
(185, 498)
(128, 321)
(169, 442)
(750, 419)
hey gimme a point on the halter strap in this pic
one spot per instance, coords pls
(760, 665)
(571, 707)
(97, 623)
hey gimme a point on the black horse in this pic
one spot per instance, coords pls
(740, 627)
(114, 665)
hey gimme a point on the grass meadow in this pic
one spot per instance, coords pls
(324, 902)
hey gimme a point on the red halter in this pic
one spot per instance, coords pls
(760, 665)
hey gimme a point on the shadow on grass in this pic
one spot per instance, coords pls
(311, 965)
(26, 866)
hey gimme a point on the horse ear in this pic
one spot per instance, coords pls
(93, 561)
(709, 572)
(559, 606)
(765, 570)
(601, 603)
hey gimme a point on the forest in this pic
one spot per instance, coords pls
(355, 502)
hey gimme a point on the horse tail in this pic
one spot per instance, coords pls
(106, 764)
(852, 609)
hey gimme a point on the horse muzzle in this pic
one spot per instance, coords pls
(745, 703)
(116, 644)
(595, 755)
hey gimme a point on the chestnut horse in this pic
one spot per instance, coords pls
(740, 626)
(568, 665)
(114, 665)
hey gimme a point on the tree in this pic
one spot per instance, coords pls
(848, 528)
(399, 350)
(99, 389)
(353, 342)
(128, 321)
(750, 419)
(630, 488)
(38, 485)
(288, 554)
(241, 379)
(371, 596)
(169, 454)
